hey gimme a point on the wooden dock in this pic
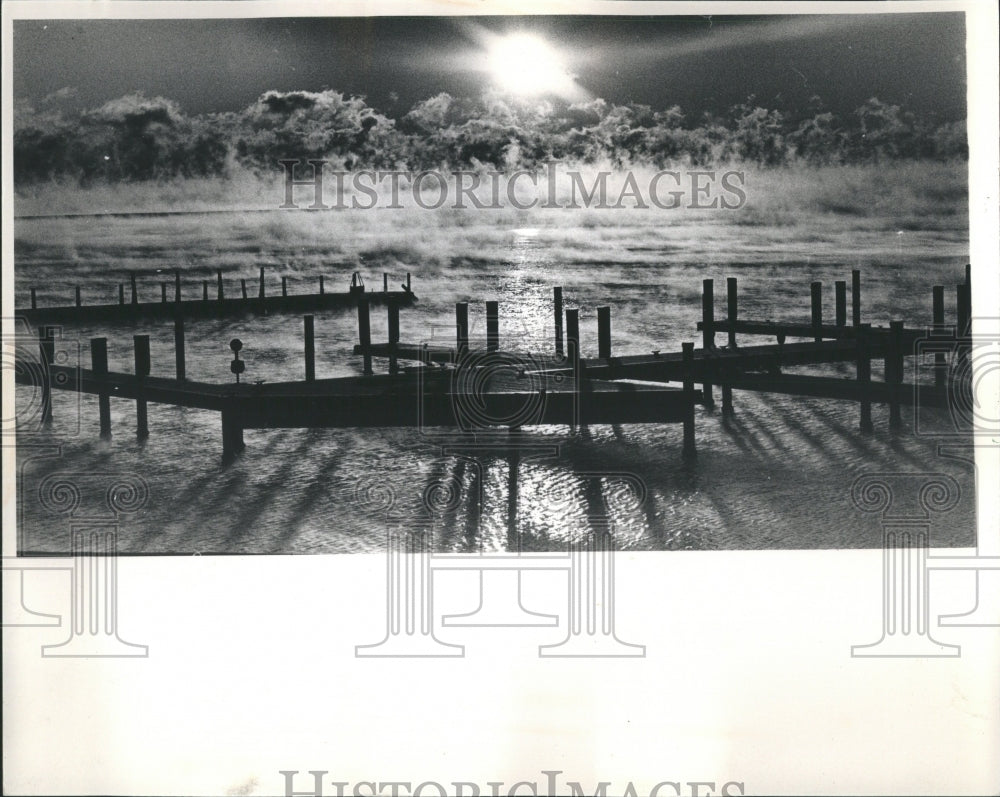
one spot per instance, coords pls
(469, 387)
(213, 301)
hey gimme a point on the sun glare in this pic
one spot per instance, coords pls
(525, 64)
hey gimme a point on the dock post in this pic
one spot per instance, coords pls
(121, 293)
(79, 300)
(385, 282)
(393, 310)
(204, 290)
(177, 285)
(218, 278)
(963, 297)
(260, 294)
(968, 274)
(243, 288)
(365, 334)
(461, 329)
(689, 450)
(408, 282)
(47, 352)
(732, 308)
(163, 292)
(940, 366)
(99, 365)
(232, 429)
(492, 326)
(34, 301)
(707, 332)
(310, 348)
(817, 309)
(856, 298)
(573, 338)
(284, 286)
(557, 308)
(865, 377)
(135, 292)
(841, 290)
(604, 333)
(894, 372)
(321, 291)
(140, 345)
(179, 343)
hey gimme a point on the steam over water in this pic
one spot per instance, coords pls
(777, 475)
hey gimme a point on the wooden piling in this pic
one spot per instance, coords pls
(135, 291)
(604, 333)
(841, 290)
(261, 294)
(856, 298)
(557, 310)
(968, 274)
(365, 334)
(99, 365)
(232, 429)
(492, 326)
(940, 363)
(47, 354)
(218, 279)
(689, 450)
(284, 286)
(321, 290)
(179, 344)
(864, 373)
(177, 285)
(243, 288)
(385, 282)
(140, 345)
(817, 308)
(204, 290)
(34, 300)
(707, 330)
(407, 281)
(461, 328)
(79, 299)
(573, 339)
(310, 348)
(393, 324)
(894, 373)
(121, 293)
(963, 301)
(732, 308)
(163, 292)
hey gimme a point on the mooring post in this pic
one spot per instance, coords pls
(179, 343)
(34, 301)
(218, 278)
(817, 309)
(461, 328)
(897, 353)
(140, 344)
(121, 293)
(732, 309)
(365, 334)
(243, 288)
(393, 310)
(856, 297)
(604, 333)
(232, 429)
(79, 300)
(321, 290)
(135, 292)
(284, 286)
(573, 339)
(557, 310)
(204, 290)
(707, 332)
(968, 274)
(307, 322)
(492, 326)
(385, 282)
(177, 285)
(163, 292)
(688, 354)
(841, 290)
(963, 302)
(408, 282)
(865, 377)
(99, 365)
(47, 352)
(260, 293)
(940, 365)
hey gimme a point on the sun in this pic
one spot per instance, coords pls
(527, 65)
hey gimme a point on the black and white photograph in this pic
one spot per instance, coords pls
(354, 356)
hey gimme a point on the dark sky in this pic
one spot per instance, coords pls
(700, 63)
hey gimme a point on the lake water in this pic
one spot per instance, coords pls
(777, 475)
